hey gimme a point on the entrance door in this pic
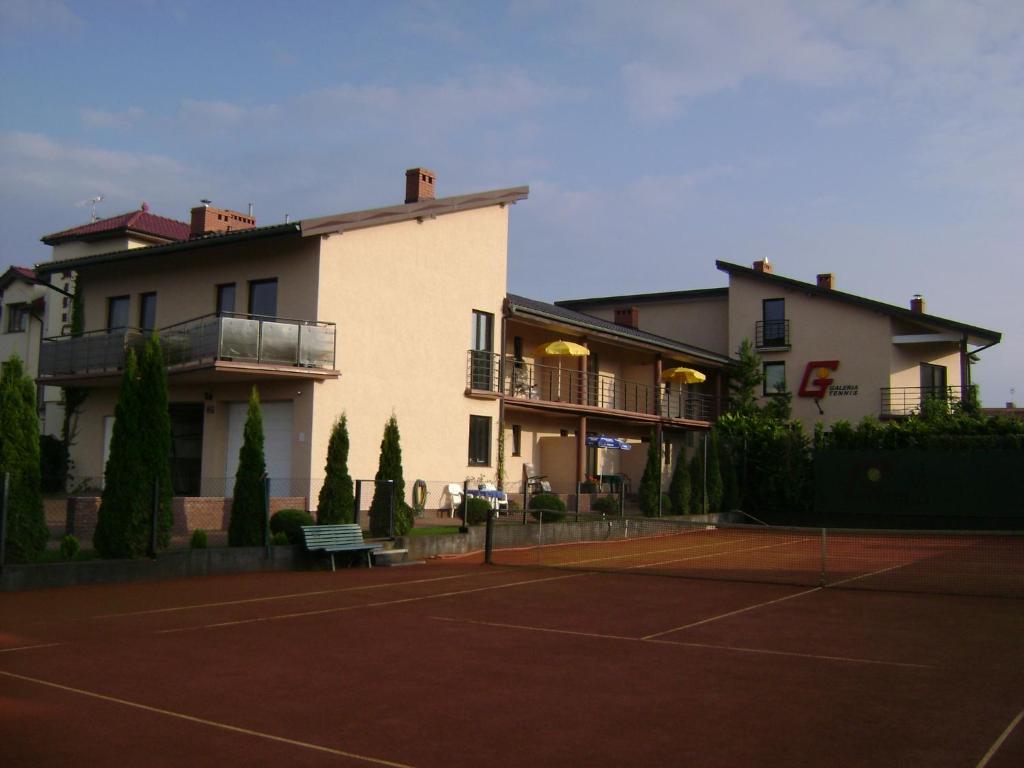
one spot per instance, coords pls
(277, 444)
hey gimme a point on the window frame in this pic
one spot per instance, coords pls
(253, 284)
(143, 298)
(110, 311)
(219, 298)
(477, 440)
(774, 365)
(517, 440)
(19, 313)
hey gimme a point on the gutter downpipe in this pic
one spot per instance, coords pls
(501, 388)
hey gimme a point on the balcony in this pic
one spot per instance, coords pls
(771, 334)
(903, 401)
(567, 386)
(228, 341)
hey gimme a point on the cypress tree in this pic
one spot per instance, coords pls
(650, 481)
(337, 501)
(679, 487)
(745, 377)
(155, 431)
(731, 497)
(715, 489)
(19, 456)
(389, 468)
(122, 514)
(74, 397)
(247, 525)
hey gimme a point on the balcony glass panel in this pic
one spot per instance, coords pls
(280, 343)
(239, 339)
(316, 346)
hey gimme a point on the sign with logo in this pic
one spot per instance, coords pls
(816, 378)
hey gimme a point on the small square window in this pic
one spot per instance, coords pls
(774, 378)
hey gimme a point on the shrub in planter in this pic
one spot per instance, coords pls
(477, 510)
(279, 538)
(198, 540)
(69, 547)
(550, 506)
(290, 522)
(606, 505)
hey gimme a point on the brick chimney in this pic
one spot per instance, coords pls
(827, 281)
(206, 220)
(917, 304)
(627, 316)
(763, 266)
(419, 185)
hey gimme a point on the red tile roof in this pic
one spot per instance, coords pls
(140, 221)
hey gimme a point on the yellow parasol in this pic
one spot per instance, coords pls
(683, 376)
(560, 348)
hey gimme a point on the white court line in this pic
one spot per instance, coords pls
(382, 603)
(999, 742)
(28, 647)
(709, 646)
(203, 721)
(195, 606)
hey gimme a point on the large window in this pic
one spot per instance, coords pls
(263, 297)
(933, 380)
(773, 312)
(17, 318)
(480, 440)
(774, 378)
(147, 311)
(225, 298)
(482, 358)
(117, 312)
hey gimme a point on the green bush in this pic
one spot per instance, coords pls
(606, 505)
(477, 510)
(290, 522)
(198, 540)
(69, 547)
(279, 538)
(547, 505)
(666, 507)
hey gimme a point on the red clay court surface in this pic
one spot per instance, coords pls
(462, 664)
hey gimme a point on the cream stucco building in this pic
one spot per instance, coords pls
(842, 356)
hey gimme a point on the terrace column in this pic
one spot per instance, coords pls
(718, 393)
(581, 450)
(657, 385)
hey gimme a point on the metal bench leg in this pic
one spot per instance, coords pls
(369, 559)
(332, 562)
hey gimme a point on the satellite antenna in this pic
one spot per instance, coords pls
(92, 201)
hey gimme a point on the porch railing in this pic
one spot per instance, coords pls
(563, 384)
(903, 401)
(771, 333)
(227, 336)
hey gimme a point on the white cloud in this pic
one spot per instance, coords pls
(206, 116)
(101, 118)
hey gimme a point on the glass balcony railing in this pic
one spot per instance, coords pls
(227, 336)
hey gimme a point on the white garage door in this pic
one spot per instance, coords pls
(277, 443)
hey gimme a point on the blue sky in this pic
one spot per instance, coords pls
(881, 141)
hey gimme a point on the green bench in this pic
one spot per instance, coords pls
(332, 539)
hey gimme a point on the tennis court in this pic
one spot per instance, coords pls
(457, 663)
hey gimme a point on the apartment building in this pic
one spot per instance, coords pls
(842, 356)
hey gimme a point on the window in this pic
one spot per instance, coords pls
(774, 378)
(117, 312)
(933, 381)
(482, 373)
(263, 297)
(17, 318)
(147, 311)
(517, 440)
(773, 312)
(225, 298)
(480, 440)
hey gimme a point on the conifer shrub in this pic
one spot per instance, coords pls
(198, 540)
(248, 503)
(650, 481)
(19, 456)
(606, 505)
(679, 487)
(289, 522)
(547, 507)
(390, 468)
(154, 445)
(69, 547)
(337, 502)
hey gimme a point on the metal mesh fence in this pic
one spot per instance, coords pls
(972, 563)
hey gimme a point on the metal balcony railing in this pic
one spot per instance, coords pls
(227, 336)
(903, 401)
(771, 333)
(532, 381)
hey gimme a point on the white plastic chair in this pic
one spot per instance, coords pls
(454, 491)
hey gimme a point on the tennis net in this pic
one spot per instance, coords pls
(942, 562)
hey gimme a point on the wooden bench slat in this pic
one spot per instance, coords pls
(331, 539)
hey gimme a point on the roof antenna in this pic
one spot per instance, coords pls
(92, 201)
